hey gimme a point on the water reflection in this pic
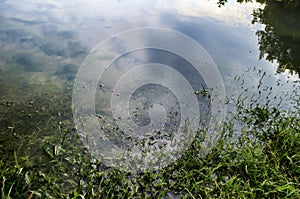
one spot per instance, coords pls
(42, 24)
(280, 39)
(43, 44)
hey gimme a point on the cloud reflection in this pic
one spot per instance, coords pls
(234, 13)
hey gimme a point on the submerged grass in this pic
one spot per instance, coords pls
(42, 157)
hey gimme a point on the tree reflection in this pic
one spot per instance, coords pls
(280, 39)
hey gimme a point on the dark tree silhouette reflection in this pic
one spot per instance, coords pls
(280, 39)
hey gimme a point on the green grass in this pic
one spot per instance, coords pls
(259, 160)
(266, 167)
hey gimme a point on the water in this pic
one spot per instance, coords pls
(43, 44)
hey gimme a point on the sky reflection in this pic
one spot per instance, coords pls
(226, 33)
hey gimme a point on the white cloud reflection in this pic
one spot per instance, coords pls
(232, 13)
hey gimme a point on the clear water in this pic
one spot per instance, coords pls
(43, 44)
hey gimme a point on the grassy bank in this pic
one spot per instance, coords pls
(257, 155)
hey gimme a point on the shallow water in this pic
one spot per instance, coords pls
(43, 44)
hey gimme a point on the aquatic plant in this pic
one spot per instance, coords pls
(257, 155)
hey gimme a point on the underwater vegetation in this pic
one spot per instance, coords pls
(257, 154)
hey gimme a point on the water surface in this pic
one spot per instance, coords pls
(43, 44)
